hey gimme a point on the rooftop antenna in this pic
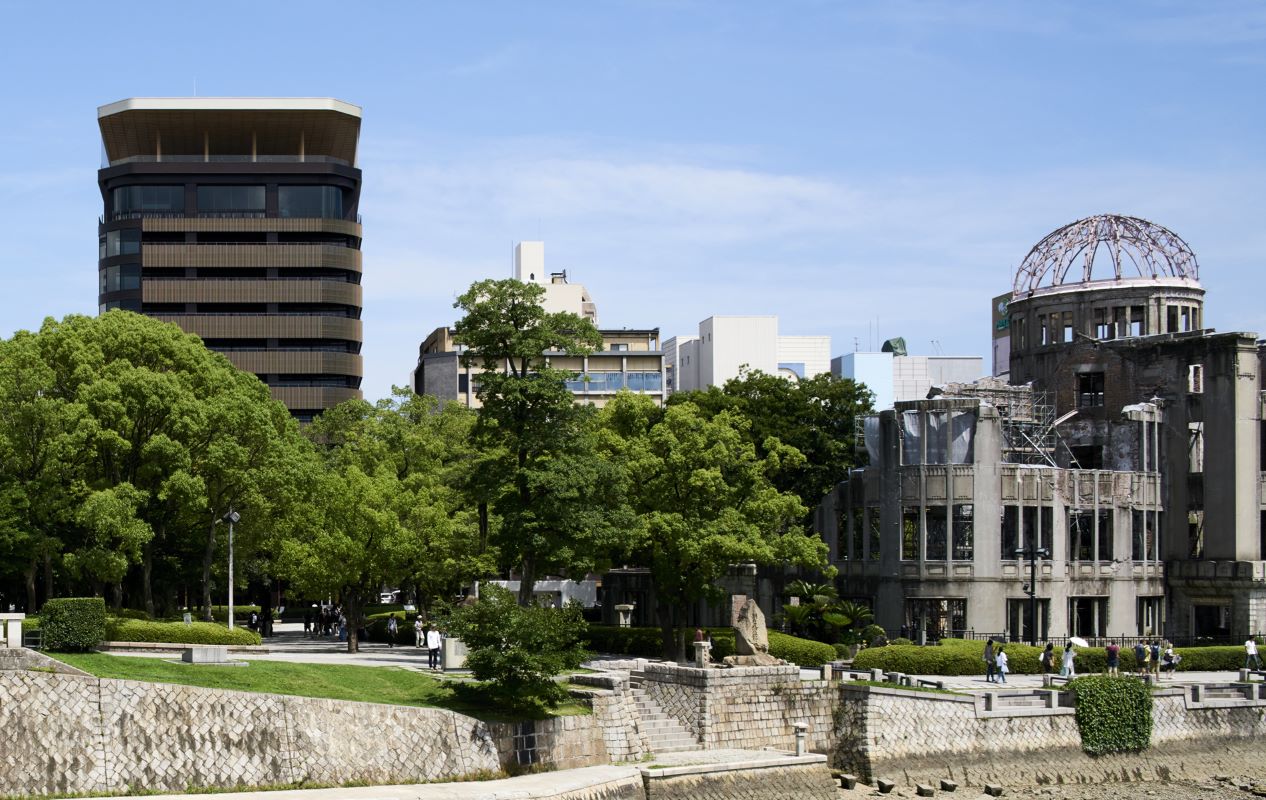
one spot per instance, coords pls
(857, 344)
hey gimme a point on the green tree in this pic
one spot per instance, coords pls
(815, 416)
(519, 649)
(705, 501)
(556, 500)
(423, 446)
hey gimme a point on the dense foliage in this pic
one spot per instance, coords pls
(966, 657)
(1114, 714)
(136, 630)
(73, 623)
(125, 444)
(646, 643)
(519, 649)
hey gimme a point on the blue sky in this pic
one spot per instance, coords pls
(835, 163)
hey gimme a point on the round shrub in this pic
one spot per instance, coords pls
(135, 630)
(805, 652)
(639, 642)
(1114, 713)
(73, 623)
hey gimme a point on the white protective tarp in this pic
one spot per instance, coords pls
(962, 437)
(871, 434)
(911, 438)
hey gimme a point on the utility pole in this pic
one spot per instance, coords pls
(231, 518)
(1032, 553)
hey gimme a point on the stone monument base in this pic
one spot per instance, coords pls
(755, 660)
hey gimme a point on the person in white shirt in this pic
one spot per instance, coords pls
(419, 632)
(433, 643)
(1003, 668)
(1250, 654)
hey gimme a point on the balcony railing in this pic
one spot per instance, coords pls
(119, 216)
(229, 159)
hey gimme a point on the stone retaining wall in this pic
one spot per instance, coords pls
(798, 778)
(923, 737)
(746, 707)
(64, 734)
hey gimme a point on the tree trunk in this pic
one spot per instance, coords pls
(116, 590)
(352, 612)
(664, 613)
(32, 602)
(48, 576)
(147, 573)
(527, 581)
(207, 558)
(679, 613)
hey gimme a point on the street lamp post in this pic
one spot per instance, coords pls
(1032, 554)
(231, 518)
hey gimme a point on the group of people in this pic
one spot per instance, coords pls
(424, 636)
(1153, 658)
(328, 621)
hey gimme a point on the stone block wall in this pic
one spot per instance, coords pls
(802, 779)
(83, 735)
(616, 714)
(923, 737)
(555, 743)
(746, 707)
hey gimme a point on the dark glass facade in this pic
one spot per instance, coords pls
(257, 254)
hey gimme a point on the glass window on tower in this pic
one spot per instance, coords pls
(230, 199)
(142, 199)
(310, 201)
(126, 242)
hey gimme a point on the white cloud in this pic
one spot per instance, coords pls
(666, 242)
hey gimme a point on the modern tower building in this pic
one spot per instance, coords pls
(236, 218)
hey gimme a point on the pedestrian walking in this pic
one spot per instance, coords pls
(1001, 659)
(1068, 669)
(433, 643)
(307, 622)
(1251, 661)
(990, 662)
(1113, 652)
(392, 628)
(1140, 658)
(1153, 659)
(1047, 659)
(1169, 661)
(419, 632)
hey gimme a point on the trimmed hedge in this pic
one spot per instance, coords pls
(1114, 714)
(646, 643)
(966, 657)
(73, 624)
(135, 630)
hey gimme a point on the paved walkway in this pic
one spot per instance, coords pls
(977, 683)
(587, 780)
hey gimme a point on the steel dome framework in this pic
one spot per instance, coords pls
(1135, 247)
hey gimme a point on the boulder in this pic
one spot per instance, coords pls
(750, 636)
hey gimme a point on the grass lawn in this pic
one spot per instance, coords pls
(335, 681)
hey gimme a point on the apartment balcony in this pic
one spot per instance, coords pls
(265, 326)
(217, 290)
(313, 396)
(252, 222)
(297, 362)
(250, 255)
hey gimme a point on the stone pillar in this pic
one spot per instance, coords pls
(624, 612)
(703, 654)
(12, 629)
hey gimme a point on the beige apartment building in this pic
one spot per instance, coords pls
(630, 359)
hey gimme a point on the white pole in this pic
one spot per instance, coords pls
(230, 568)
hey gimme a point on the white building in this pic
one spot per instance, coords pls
(529, 267)
(898, 378)
(726, 344)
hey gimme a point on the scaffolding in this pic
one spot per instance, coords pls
(1027, 419)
